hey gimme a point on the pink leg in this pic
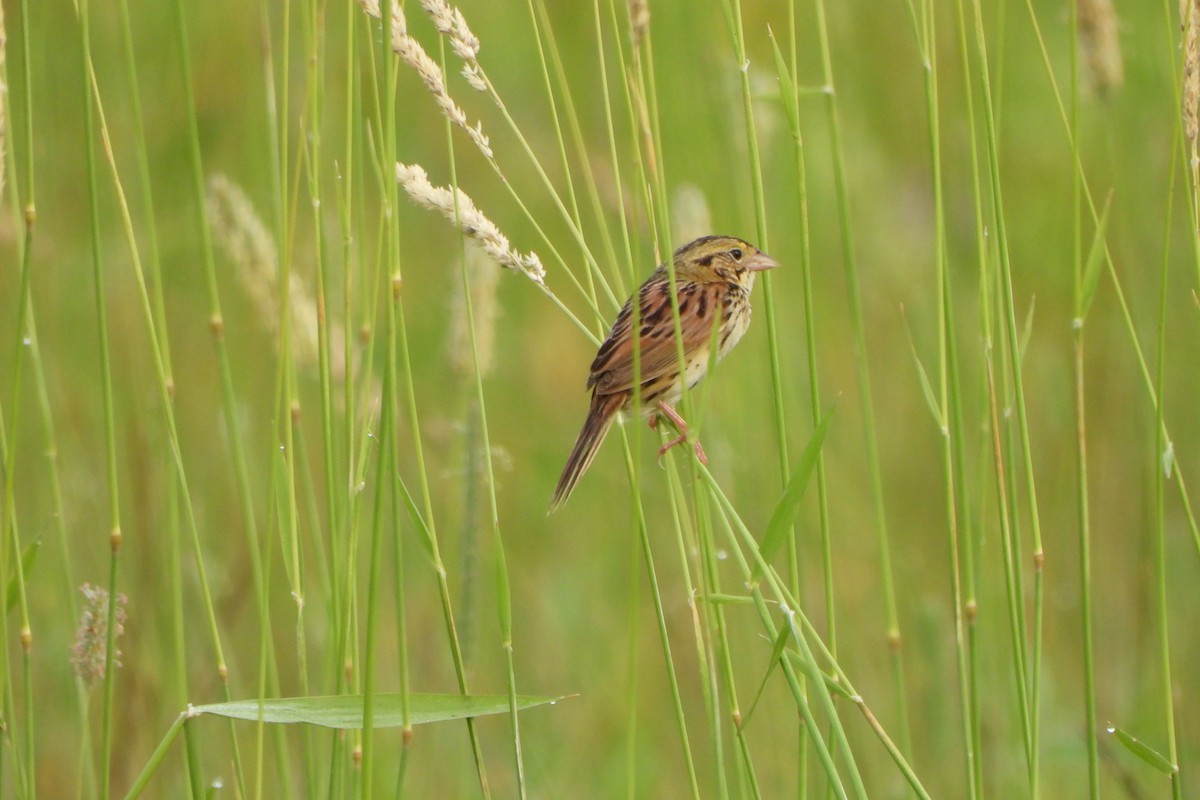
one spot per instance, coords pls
(680, 425)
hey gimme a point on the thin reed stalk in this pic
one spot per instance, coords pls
(1162, 462)
(1089, 19)
(478, 366)
(110, 437)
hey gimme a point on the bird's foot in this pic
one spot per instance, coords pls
(681, 426)
(680, 439)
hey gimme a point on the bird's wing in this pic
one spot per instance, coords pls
(699, 308)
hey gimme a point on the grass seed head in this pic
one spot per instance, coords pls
(459, 209)
(243, 236)
(3, 91)
(1098, 26)
(1190, 14)
(90, 650)
(639, 20)
(412, 53)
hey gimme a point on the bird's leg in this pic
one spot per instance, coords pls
(681, 426)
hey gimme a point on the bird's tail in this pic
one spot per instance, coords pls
(599, 419)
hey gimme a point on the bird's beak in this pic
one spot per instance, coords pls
(760, 261)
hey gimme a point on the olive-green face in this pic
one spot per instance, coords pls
(719, 258)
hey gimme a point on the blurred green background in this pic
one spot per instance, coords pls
(583, 622)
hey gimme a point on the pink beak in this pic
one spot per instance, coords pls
(760, 261)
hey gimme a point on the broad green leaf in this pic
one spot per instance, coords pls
(1143, 751)
(346, 711)
(28, 559)
(789, 504)
(1096, 258)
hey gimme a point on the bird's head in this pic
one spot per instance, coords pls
(712, 259)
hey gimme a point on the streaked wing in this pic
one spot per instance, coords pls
(699, 306)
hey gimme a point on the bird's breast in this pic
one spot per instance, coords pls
(696, 367)
(734, 326)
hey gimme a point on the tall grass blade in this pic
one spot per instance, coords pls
(789, 505)
(345, 711)
(1095, 263)
(1143, 751)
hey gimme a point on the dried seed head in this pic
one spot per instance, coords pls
(451, 22)
(3, 92)
(482, 279)
(474, 77)
(1190, 14)
(241, 233)
(411, 52)
(465, 43)
(399, 23)
(88, 654)
(1101, 46)
(440, 12)
(639, 20)
(457, 207)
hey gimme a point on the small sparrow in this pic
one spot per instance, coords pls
(713, 279)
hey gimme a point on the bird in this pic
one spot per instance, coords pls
(714, 276)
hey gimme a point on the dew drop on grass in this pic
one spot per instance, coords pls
(27, 341)
(722, 555)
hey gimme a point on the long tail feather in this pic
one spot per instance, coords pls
(599, 419)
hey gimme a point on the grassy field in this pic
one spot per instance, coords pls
(945, 544)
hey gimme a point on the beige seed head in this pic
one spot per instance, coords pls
(3, 92)
(89, 653)
(457, 207)
(451, 23)
(639, 20)
(440, 12)
(1190, 14)
(1098, 26)
(482, 279)
(244, 237)
(411, 53)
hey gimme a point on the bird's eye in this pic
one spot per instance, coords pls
(736, 253)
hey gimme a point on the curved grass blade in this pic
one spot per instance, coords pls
(788, 506)
(785, 633)
(340, 711)
(1095, 260)
(1143, 751)
(346, 711)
